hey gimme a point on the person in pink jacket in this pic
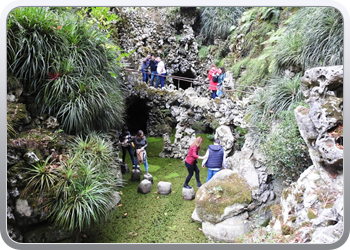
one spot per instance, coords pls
(213, 73)
(191, 162)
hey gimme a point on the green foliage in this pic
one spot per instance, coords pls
(285, 150)
(76, 191)
(318, 42)
(217, 22)
(241, 136)
(69, 66)
(203, 52)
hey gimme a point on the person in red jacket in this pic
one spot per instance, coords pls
(191, 162)
(213, 85)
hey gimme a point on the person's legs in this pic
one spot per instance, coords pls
(214, 172)
(214, 94)
(124, 154)
(196, 170)
(162, 78)
(146, 164)
(210, 174)
(144, 76)
(131, 155)
(190, 169)
(153, 76)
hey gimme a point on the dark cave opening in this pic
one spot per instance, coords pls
(183, 83)
(137, 115)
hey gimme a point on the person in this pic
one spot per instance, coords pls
(214, 159)
(220, 81)
(161, 72)
(144, 67)
(191, 162)
(124, 137)
(141, 143)
(153, 65)
(212, 85)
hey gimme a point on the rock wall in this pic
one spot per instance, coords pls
(313, 206)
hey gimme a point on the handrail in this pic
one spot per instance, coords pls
(191, 80)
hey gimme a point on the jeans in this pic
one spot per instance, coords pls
(130, 153)
(154, 76)
(161, 79)
(144, 75)
(145, 162)
(190, 169)
(214, 94)
(211, 173)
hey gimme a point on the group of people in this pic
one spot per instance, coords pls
(157, 67)
(214, 159)
(139, 142)
(216, 77)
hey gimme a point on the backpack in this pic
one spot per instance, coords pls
(215, 78)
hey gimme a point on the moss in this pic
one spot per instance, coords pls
(332, 107)
(310, 214)
(292, 218)
(286, 192)
(16, 112)
(287, 230)
(234, 190)
(299, 197)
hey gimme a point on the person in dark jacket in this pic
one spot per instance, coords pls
(214, 159)
(144, 68)
(124, 137)
(141, 143)
(153, 64)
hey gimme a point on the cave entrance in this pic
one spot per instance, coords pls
(183, 83)
(137, 115)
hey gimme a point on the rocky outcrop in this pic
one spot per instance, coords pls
(313, 206)
(221, 206)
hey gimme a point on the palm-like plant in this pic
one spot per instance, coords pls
(87, 199)
(42, 178)
(71, 67)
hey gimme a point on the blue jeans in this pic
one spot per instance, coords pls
(130, 153)
(145, 162)
(161, 79)
(144, 75)
(154, 76)
(211, 173)
(214, 94)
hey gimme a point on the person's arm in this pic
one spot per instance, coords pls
(146, 144)
(224, 161)
(205, 158)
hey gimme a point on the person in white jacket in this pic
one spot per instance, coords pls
(161, 72)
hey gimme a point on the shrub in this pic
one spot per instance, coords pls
(77, 191)
(285, 151)
(69, 66)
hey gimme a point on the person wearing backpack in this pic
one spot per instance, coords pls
(220, 81)
(213, 76)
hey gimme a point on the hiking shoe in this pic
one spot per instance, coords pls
(147, 173)
(188, 187)
(199, 185)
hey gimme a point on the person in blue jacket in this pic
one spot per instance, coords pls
(214, 159)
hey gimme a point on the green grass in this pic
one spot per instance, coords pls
(153, 218)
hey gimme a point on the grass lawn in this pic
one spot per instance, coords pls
(153, 218)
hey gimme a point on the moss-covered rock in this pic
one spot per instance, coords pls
(224, 196)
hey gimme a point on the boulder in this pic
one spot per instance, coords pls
(148, 177)
(29, 211)
(188, 194)
(144, 187)
(225, 135)
(164, 187)
(135, 175)
(50, 234)
(227, 230)
(224, 196)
